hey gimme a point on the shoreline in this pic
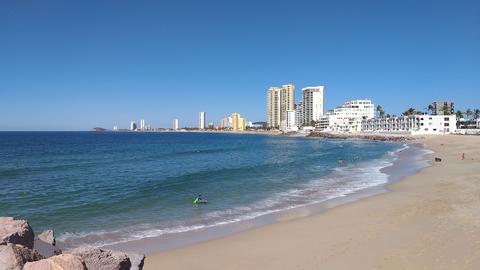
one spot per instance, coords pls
(394, 171)
(377, 217)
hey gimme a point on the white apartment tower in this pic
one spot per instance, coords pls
(312, 100)
(299, 114)
(226, 122)
(290, 121)
(175, 124)
(142, 124)
(201, 120)
(279, 101)
(133, 125)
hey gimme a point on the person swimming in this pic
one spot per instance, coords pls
(200, 199)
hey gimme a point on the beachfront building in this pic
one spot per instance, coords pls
(290, 121)
(312, 104)
(443, 108)
(226, 122)
(142, 124)
(347, 117)
(175, 124)
(133, 125)
(201, 120)
(279, 100)
(299, 114)
(238, 122)
(287, 98)
(413, 124)
(273, 107)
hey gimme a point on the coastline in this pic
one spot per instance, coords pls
(388, 169)
(404, 226)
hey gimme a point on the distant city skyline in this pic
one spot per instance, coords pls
(75, 66)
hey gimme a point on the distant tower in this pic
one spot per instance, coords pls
(133, 125)
(175, 124)
(279, 101)
(201, 120)
(142, 124)
(238, 122)
(312, 100)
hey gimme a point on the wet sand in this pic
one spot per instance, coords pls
(430, 220)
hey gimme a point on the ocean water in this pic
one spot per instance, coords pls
(105, 188)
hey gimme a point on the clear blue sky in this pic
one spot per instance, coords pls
(74, 65)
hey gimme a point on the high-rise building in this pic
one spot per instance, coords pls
(299, 114)
(133, 125)
(226, 122)
(273, 107)
(279, 100)
(175, 124)
(290, 124)
(201, 120)
(312, 99)
(238, 122)
(142, 124)
(287, 99)
(443, 108)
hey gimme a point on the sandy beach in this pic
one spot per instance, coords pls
(429, 221)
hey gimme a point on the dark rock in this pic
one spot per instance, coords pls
(16, 232)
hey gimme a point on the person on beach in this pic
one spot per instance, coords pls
(463, 156)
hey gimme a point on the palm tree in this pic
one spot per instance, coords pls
(468, 113)
(430, 108)
(459, 114)
(380, 111)
(476, 113)
(410, 111)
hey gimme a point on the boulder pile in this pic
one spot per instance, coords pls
(363, 136)
(21, 249)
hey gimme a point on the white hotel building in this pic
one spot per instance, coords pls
(312, 101)
(201, 120)
(291, 121)
(348, 117)
(175, 124)
(413, 124)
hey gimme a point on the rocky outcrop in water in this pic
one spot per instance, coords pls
(20, 249)
(362, 136)
(16, 232)
(45, 244)
(59, 262)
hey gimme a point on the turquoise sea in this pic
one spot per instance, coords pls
(96, 188)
